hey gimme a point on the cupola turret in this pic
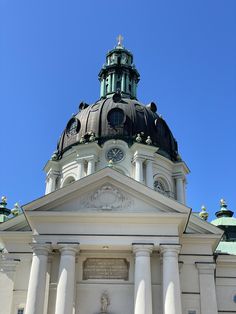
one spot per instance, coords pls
(119, 73)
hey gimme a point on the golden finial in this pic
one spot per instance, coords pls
(16, 210)
(110, 163)
(203, 214)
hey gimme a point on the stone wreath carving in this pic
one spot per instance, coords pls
(107, 198)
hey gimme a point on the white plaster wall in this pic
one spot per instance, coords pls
(191, 302)
(6, 287)
(121, 297)
(225, 292)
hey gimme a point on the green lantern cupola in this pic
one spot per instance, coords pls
(119, 73)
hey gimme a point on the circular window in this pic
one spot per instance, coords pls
(73, 127)
(115, 117)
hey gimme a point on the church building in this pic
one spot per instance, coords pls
(113, 233)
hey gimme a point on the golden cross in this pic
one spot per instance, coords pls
(120, 39)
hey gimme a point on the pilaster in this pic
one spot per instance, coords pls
(206, 272)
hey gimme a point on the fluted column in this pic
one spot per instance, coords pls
(142, 279)
(139, 169)
(37, 281)
(149, 174)
(206, 273)
(171, 282)
(66, 279)
(180, 189)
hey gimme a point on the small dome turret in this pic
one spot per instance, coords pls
(226, 221)
(118, 73)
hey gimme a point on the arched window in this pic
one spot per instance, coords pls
(68, 181)
(161, 186)
(20, 311)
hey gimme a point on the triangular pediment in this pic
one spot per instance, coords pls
(106, 190)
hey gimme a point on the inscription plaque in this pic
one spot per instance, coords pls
(106, 268)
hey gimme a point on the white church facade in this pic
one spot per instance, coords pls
(113, 233)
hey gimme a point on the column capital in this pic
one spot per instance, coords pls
(170, 249)
(52, 173)
(138, 157)
(79, 159)
(41, 248)
(142, 249)
(91, 158)
(179, 175)
(68, 248)
(205, 268)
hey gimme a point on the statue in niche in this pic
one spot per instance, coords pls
(104, 302)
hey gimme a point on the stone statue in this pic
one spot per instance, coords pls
(104, 302)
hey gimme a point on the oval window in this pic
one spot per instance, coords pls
(73, 127)
(115, 117)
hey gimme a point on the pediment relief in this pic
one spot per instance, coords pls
(107, 197)
(104, 198)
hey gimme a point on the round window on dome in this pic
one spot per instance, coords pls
(116, 117)
(73, 127)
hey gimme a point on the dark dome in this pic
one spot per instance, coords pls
(118, 118)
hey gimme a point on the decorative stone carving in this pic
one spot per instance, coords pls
(107, 198)
(105, 301)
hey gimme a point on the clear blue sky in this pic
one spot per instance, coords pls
(185, 51)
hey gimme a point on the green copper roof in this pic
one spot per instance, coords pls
(224, 221)
(226, 247)
(119, 73)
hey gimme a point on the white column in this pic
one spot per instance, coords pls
(171, 282)
(142, 279)
(180, 189)
(80, 168)
(51, 182)
(139, 169)
(37, 281)
(206, 273)
(66, 279)
(149, 174)
(91, 166)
